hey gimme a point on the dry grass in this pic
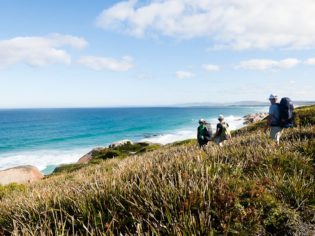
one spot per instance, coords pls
(248, 187)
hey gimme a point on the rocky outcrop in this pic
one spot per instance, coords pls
(252, 118)
(20, 174)
(120, 143)
(88, 157)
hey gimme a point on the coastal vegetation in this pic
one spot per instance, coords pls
(248, 187)
(100, 154)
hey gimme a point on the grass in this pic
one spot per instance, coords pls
(11, 189)
(120, 152)
(248, 187)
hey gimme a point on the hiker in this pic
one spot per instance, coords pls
(204, 133)
(223, 131)
(274, 119)
(280, 116)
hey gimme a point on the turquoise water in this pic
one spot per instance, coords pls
(48, 137)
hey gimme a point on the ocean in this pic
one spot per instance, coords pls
(46, 138)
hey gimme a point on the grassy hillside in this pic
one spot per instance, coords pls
(100, 154)
(248, 187)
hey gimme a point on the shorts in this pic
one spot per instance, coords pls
(275, 133)
(202, 142)
(218, 140)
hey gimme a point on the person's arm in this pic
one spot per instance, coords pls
(217, 131)
(269, 118)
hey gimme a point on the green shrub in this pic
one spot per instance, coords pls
(281, 221)
(125, 150)
(11, 189)
(67, 168)
(308, 149)
(304, 116)
(184, 142)
(110, 154)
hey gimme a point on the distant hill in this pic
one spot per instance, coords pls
(239, 103)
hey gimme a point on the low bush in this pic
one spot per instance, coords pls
(11, 189)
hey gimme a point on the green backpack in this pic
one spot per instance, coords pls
(202, 131)
(226, 133)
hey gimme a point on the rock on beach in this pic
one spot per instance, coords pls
(252, 118)
(88, 157)
(20, 175)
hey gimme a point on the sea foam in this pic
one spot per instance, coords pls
(41, 158)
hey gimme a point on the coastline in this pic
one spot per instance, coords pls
(74, 156)
(247, 175)
(47, 160)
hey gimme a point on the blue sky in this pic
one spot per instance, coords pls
(78, 53)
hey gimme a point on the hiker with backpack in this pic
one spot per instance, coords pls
(204, 133)
(280, 116)
(223, 131)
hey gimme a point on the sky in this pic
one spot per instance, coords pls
(105, 53)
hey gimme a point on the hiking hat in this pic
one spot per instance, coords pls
(221, 117)
(272, 96)
(202, 121)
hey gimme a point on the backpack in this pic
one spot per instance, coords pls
(286, 109)
(208, 133)
(201, 132)
(225, 133)
(204, 132)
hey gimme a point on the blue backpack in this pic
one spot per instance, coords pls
(286, 109)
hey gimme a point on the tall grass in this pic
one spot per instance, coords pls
(248, 187)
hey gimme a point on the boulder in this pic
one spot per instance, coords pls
(252, 118)
(88, 157)
(20, 174)
(120, 143)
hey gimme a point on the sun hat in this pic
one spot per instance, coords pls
(272, 96)
(221, 117)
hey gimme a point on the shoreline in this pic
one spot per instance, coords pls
(71, 156)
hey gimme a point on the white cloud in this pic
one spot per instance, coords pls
(104, 63)
(184, 74)
(265, 64)
(310, 61)
(229, 23)
(38, 51)
(58, 40)
(210, 67)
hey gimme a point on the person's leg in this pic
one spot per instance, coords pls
(217, 140)
(278, 135)
(275, 133)
(202, 144)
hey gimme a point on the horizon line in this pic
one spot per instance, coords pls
(193, 104)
